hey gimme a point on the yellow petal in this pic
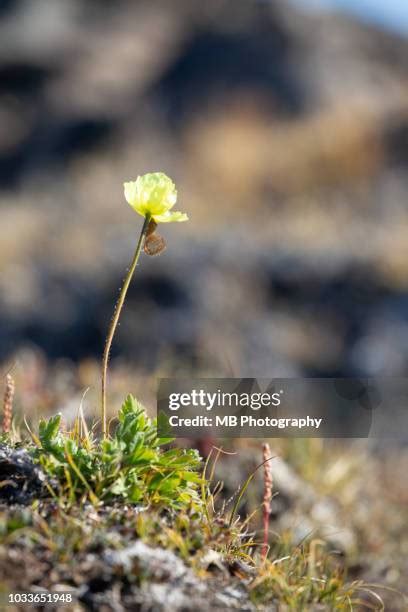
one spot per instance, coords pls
(130, 191)
(169, 217)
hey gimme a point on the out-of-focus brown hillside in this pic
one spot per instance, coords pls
(286, 134)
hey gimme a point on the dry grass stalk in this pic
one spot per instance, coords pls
(8, 403)
(267, 497)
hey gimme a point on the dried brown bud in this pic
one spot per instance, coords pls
(154, 243)
(151, 228)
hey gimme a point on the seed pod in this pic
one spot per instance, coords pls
(151, 228)
(154, 244)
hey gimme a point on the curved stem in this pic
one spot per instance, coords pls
(115, 320)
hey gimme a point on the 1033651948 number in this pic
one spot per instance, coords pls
(44, 597)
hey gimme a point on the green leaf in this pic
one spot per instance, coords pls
(135, 494)
(48, 430)
(119, 486)
(143, 455)
(165, 485)
(163, 429)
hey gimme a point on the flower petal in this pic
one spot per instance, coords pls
(130, 191)
(169, 217)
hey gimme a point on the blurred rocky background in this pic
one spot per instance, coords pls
(286, 132)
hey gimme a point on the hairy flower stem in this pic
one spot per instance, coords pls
(115, 320)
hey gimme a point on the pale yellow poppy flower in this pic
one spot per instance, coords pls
(154, 195)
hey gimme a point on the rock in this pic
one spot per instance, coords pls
(21, 480)
(156, 563)
(164, 582)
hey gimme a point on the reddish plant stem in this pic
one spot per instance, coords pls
(267, 497)
(8, 403)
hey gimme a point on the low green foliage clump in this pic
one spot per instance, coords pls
(130, 465)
